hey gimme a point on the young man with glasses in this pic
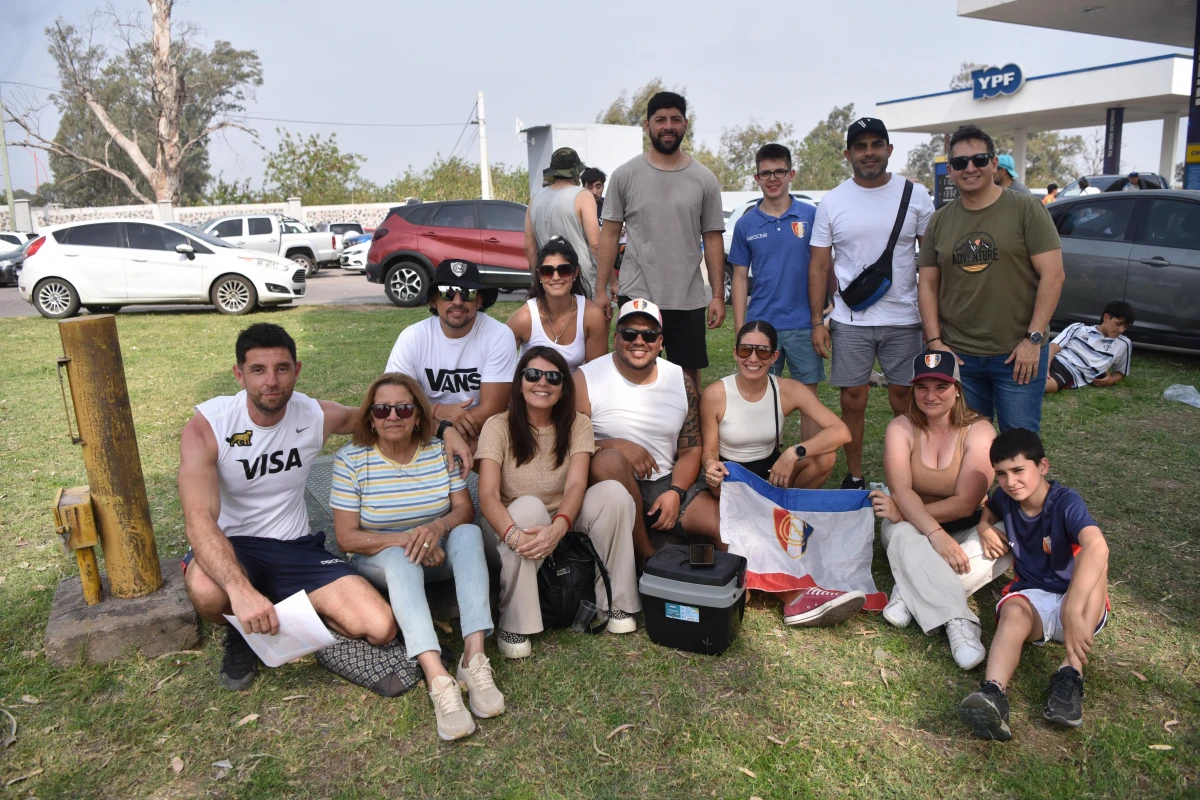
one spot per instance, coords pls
(463, 360)
(854, 223)
(646, 417)
(991, 273)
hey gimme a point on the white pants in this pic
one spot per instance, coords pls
(933, 592)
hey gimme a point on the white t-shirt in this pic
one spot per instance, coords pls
(452, 370)
(1088, 354)
(857, 222)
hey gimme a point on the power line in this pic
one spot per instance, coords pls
(464, 128)
(355, 124)
(30, 85)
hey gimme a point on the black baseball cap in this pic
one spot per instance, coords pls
(463, 274)
(936, 364)
(864, 124)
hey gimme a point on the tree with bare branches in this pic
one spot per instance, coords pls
(140, 119)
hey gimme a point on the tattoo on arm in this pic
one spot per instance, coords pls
(689, 436)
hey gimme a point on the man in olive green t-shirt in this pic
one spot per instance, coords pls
(991, 272)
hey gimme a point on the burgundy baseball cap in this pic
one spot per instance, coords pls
(936, 364)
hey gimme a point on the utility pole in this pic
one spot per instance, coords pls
(485, 172)
(12, 211)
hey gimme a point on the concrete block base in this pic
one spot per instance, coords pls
(152, 625)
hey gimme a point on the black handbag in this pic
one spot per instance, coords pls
(875, 281)
(567, 578)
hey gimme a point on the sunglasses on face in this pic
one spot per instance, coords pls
(631, 335)
(382, 410)
(744, 350)
(553, 376)
(447, 293)
(548, 270)
(980, 160)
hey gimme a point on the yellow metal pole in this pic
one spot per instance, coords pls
(110, 454)
(89, 574)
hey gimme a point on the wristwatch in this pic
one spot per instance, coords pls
(682, 494)
(1036, 337)
(442, 427)
(801, 452)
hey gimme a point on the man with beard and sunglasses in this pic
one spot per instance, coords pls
(243, 467)
(645, 414)
(669, 203)
(853, 228)
(463, 360)
(991, 274)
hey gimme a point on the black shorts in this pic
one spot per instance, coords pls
(761, 467)
(1061, 375)
(684, 336)
(278, 569)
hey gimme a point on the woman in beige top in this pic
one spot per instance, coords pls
(938, 472)
(533, 471)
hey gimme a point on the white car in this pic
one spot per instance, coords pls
(355, 256)
(105, 264)
(15, 238)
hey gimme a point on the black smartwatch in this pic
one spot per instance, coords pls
(442, 428)
(1036, 338)
(801, 452)
(682, 494)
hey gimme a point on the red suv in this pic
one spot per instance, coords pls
(414, 239)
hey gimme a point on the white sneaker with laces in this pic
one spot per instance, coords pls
(965, 645)
(453, 721)
(482, 695)
(896, 613)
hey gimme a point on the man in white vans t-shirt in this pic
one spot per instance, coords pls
(851, 230)
(463, 360)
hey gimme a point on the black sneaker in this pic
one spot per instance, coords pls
(1065, 704)
(986, 711)
(851, 482)
(240, 665)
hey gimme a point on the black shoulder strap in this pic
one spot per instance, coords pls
(776, 410)
(591, 548)
(895, 237)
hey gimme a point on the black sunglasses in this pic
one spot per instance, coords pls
(548, 270)
(447, 293)
(631, 334)
(553, 376)
(764, 351)
(382, 410)
(980, 160)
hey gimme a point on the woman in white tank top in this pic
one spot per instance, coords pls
(742, 416)
(557, 314)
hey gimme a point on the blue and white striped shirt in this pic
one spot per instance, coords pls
(391, 497)
(1087, 353)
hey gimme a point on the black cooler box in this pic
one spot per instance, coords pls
(693, 608)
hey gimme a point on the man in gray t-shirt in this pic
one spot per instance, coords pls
(668, 203)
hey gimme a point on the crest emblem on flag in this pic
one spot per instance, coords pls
(792, 533)
(933, 359)
(799, 228)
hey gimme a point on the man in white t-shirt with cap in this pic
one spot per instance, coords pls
(645, 413)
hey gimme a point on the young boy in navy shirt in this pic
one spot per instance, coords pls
(1060, 590)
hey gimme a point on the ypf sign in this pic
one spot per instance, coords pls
(995, 81)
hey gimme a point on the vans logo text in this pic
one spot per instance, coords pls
(454, 380)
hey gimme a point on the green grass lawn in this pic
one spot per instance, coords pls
(863, 710)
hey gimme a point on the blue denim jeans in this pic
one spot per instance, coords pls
(991, 390)
(795, 348)
(404, 582)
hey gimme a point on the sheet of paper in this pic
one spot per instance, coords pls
(300, 632)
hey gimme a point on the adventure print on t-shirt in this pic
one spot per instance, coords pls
(975, 252)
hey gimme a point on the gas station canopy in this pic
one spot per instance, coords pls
(1170, 22)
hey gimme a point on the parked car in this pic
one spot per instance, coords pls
(349, 240)
(16, 238)
(340, 231)
(105, 264)
(730, 221)
(414, 239)
(355, 257)
(1141, 247)
(277, 235)
(1114, 183)
(10, 266)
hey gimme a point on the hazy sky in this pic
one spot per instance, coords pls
(423, 62)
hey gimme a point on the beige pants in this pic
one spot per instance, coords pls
(606, 517)
(933, 592)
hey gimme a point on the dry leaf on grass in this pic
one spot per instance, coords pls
(1139, 676)
(472, 744)
(12, 737)
(883, 675)
(617, 730)
(442, 626)
(159, 685)
(777, 741)
(246, 720)
(177, 765)
(847, 683)
(293, 697)
(224, 763)
(881, 655)
(1161, 747)
(745, 771)
(1171, 723)
(49, 728)
(24, 777)
(29, 700)
(179, 653)
(596, 747)
(1122, 663)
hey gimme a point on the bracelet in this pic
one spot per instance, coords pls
(445, 525)
(934, 339)
(570, 522)
(935, 530)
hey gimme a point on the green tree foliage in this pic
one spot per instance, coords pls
(230, 193)
(819, 160)
(314, 169)
(457, 179)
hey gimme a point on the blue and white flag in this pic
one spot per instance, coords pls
(799, 538)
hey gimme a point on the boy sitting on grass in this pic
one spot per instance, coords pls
(1095, 354)
(1060, 590)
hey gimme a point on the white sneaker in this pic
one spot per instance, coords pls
(896, 613)
(483, 697)
(513, 645)
(453, 721)
(620, 622)
(965, 645)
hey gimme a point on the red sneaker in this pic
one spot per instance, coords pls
(821, 608)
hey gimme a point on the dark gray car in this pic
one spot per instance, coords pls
(1141, 247)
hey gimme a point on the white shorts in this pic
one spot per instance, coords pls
(1048, 605)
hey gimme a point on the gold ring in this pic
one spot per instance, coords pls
(425, 545)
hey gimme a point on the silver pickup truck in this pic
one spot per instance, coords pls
(278, 235)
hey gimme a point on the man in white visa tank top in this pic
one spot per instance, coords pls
(463, 360)
(646, 416)
(244, 461)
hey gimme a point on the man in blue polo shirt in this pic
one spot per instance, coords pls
(772, 238)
